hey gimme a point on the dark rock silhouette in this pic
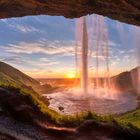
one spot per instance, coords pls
(124, 10)
(127, 81)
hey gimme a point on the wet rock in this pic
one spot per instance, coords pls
(61, 108)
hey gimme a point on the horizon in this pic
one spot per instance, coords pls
(79, 77)
(71, 78)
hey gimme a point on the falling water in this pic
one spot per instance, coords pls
(84, 58)
(102, 50)
(92, 52)
(88, 39)
(135, 31)
(136, 78)
(82, 43)
(97, 51)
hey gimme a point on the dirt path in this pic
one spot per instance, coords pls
(21, 131)
(90, 130)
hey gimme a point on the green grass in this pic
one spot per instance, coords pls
(51, 115)
(5, 80)
(129, 120)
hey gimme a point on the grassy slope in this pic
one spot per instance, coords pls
(11, 75)
(4, 79)
(131, 118)
(16, 75)
(51, 115)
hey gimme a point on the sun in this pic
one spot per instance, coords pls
(70, 75)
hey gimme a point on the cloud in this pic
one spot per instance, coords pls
(53, 50)
(50, 47)
(12, 59)
(23, 28)
(20, 26)
(43, 62)
(66, 48)
(39, 63)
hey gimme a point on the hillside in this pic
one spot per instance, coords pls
(11, 74)
(131, 117)
(127, 81)
(4, 79)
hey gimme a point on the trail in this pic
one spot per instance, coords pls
(89, 130)
(19, 130)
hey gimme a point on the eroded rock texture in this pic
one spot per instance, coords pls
(124, 10)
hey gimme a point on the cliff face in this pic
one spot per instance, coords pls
(124, 10)
(128, 81)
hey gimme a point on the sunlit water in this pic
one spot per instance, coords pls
(72, 103)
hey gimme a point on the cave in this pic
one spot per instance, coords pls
(43, 121)
(127, 11)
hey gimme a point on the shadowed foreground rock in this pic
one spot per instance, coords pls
(20, 111)
(6, 137)
(124, 10)
(104, 131)
(93, 130)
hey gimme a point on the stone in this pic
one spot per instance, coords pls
(127, 11)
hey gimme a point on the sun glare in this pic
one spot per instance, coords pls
(70, 75)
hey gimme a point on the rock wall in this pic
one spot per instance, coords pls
(124, 10)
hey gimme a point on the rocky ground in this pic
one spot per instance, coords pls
(17, 115)
(14, 130)
(21, 131)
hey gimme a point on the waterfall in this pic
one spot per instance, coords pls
(84, 57)
(136, 39)
(88, 38)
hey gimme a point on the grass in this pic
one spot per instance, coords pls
(129, 120)
(51, 115)
(5, 80)
(132, 119)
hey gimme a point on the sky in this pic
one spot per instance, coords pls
(44, 46)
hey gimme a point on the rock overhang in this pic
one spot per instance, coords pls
(127, 11)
